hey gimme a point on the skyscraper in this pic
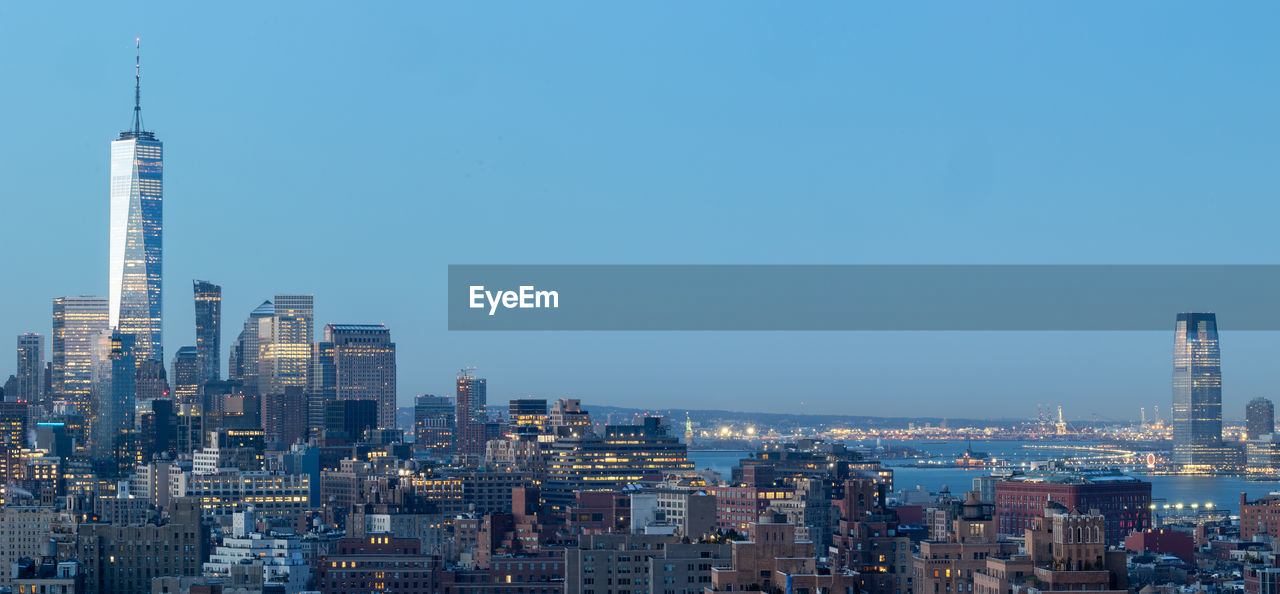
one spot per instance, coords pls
(285, 344)
(323, 382)
(245, 351)
(1197, 391)
(114, 409)
(364, 362)
(208, 329)
(187, 374)
(134, 289)
(1259, 418)
(472, 401)
(77, 323)
(30, 368)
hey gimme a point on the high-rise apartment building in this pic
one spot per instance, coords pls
(364, 361)
(1197, 391)
(1259, 418)
(134, 254)
(208, 329)
(77, 324)
(187, 375)
(472, 416)
(30, 368)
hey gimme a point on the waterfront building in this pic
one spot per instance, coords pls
(1123, 500)
(1197, 394)
(1259, 418)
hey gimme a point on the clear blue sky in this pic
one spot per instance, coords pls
(355, 150)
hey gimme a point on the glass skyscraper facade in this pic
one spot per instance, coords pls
(285, 344)
(186, 375)
(77, 323)
(113, 414)
(134, 290)
(1197, 391)
(244, 353)
(30, 367)
(208, 329)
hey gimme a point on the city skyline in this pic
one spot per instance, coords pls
(818, 298)
(974, 177)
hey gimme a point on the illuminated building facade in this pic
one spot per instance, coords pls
(1124, 501)
(186, 375)
(1197, 391)
(527, 419)
(208, 329)
(77, 324)
(364, 362)
(134, 254)
(285, 344)
(624, 454)
(222, 493)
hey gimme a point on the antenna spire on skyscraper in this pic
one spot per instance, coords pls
(137, 86)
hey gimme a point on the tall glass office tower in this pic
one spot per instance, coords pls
(78, 322)
(1197, 391)
(137, 167)
(285, 344)
(208, 329)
